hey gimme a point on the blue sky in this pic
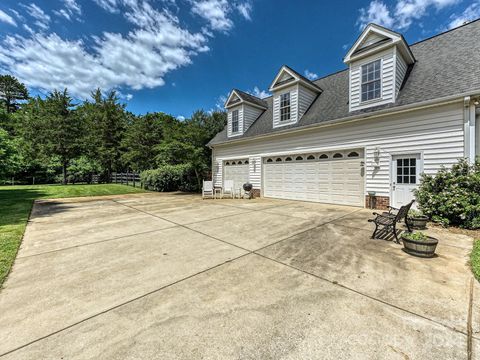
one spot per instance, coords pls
(177, 56)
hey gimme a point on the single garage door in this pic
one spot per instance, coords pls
(329, 177)
(236, 170)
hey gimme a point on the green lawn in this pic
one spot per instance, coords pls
(15, 205)
(475, 259)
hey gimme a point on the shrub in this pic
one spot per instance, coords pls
(452, 196)
(167, 178)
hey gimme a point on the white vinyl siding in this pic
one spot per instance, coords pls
(293, 107)
(401, 66)
(387, 58)
(305, 99)
(436, 133)
(240, 121)
(250, 114)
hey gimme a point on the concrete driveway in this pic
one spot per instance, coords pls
(164, 276)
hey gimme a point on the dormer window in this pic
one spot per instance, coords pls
(234, 121)
(371, 80)
(379, 63)
(285, 107)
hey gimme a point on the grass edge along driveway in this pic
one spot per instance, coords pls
(475, 259)
(16, 203)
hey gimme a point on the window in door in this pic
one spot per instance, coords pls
(407, 171)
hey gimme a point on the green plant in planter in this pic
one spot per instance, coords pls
(415, 236)
(415, 213)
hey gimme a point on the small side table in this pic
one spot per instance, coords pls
(238, 192)
(216, 191)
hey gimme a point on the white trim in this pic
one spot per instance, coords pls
(396, 40)
(226, 106)
(280, 72)
(295, 81)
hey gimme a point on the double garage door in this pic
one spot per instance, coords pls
(329, 177)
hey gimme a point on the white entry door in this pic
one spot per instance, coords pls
(405, 178)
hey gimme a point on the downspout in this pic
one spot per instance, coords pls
(467, 139)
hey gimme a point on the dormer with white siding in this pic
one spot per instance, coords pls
(242, 110)
(378, 63)
(292, 96)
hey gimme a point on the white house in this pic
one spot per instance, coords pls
(399, 110)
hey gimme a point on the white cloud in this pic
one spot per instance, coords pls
(377, 12)
(108, 5)
(181, 117)
(402, 15)
(310, 75)
(137, 60)
(215, 12)
(157, 43)
(71, 8)
(42, 19)
(262, 94)
(220, 103)
(245, 10)
(472, 12)
(4, 17)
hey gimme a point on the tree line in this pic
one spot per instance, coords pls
(55, 139)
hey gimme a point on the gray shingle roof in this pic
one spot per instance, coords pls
(447, 64)
(250, 98)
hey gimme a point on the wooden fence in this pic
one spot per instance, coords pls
(129, 178)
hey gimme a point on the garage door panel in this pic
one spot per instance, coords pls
(237, 173)
(337, 180)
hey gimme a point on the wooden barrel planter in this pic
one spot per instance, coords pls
(423, 247)
(418, 222)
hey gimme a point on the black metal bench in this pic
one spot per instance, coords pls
(388, 220)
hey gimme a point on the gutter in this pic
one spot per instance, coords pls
(349, 119)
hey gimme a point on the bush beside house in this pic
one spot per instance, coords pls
(452, 196)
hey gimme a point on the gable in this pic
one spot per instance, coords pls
(283, 77)
(372, 38)
(233, 100)
(377, 38)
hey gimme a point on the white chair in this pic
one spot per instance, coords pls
(208, 190)
(228, 189)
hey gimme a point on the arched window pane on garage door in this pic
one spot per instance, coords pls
(278, 159)
(353, 154)
(299, 158)
(311, 157)
(337, 156)
(269, 160)
(323, 156)
(288, 159)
